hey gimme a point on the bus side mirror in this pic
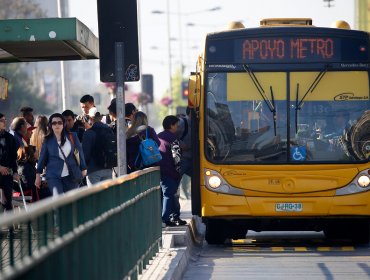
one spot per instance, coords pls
(3, 88)
(194, 90)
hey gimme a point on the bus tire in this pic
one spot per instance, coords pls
(237, 231)
(215, 234)
(360, 233)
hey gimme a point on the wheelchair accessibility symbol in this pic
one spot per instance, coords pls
(298, 153)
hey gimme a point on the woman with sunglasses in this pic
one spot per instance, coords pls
(58, 158)
(8, 163)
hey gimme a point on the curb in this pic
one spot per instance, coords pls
(178, 246)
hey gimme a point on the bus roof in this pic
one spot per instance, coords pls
(293, 44)
(286, 22)
(288, 30)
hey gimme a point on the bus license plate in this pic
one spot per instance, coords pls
(288, 207)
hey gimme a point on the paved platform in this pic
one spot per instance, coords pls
(179, 245)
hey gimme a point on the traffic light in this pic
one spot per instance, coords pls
(184, 90)
(147, 86)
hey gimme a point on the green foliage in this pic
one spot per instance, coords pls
(177, 78)
(17, 9)
(22, 89)
(22, 92)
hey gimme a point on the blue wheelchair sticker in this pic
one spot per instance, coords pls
(298, 153)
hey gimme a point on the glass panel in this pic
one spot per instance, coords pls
(322, 119)
(243, 124)
(246, 117)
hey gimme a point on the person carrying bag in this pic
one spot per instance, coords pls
(148, 151)
(57, 156)
(139, 154)
(74, 171)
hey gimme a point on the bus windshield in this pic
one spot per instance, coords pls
(280, 117)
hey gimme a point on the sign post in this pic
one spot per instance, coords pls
(121, 134)
(119, 58)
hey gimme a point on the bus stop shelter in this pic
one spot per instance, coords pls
(46, 39)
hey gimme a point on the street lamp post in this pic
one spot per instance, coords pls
(179, 14)
(169, 57)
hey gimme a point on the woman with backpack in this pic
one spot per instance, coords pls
(138, 131)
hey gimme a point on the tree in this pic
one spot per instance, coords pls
(23, 91)
(177, 100)
(16, 9)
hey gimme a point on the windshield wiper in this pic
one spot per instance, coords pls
(274, 109)
(296, 110)
(298, 105)
(270, 103)
(311, 88)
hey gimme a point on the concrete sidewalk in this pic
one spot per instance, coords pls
(179, 244)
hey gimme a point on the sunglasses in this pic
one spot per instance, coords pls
(57, 123)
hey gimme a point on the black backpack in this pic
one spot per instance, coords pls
(105, 147)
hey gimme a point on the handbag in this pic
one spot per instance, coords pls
(74, 171)
(76, 153)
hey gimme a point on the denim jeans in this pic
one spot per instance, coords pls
(185, 173)
(61, 185)
(186, 166)
(171, 205)
(98, 176)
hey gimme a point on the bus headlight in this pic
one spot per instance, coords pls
(363, 181)
(214, 182)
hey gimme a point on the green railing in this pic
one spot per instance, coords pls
(109, 231)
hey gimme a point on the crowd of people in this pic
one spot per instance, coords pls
(52, 155)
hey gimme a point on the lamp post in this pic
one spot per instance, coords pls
(180, 15)
(169, 57)
(205, 27)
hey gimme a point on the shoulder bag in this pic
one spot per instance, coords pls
(74, 172)
(76, 153)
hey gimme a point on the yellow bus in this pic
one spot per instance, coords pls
(281, 130)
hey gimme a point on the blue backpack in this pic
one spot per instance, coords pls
(148, 151)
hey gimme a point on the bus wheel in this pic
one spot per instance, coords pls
(360, 233)
(237, 231)
(214, 232)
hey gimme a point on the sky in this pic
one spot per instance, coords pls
(190, 20)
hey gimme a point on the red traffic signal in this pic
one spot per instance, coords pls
(184, 90)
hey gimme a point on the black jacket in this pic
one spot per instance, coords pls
(8, 151)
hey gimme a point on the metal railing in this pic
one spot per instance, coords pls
(109, 231)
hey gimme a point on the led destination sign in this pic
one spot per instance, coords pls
(292, 48)
(251, 47)
(289, 49)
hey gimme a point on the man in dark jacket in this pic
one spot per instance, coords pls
(8, 163)
(170, 171)
(73, 125)
(92, 145)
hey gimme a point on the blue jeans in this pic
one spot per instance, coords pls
(98, 176)
(61, 185)
(171, 205)
(186, 166)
